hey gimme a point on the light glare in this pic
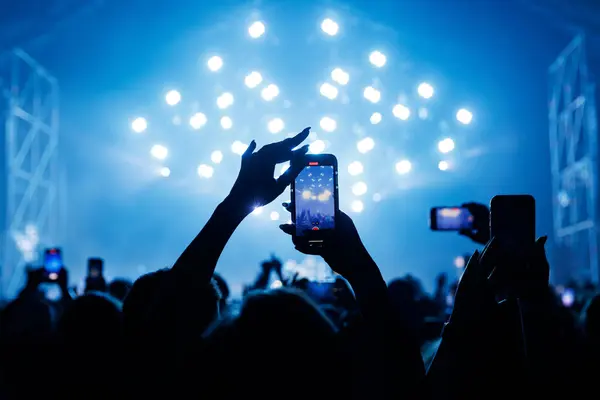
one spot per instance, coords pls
(357, 206)
(256, 30)
(275, 125)
(403, 167)
(270, 92)
(274, 215)
(165, 172)
(215, 63)
(198, 120)
(173, 97)
(372, 94)
(340, 76)
(330, 27)
(401, 112)
(253, 79)
(359, 188)
(216, 157)
(377, 58)
(365, 145)
(355, 168)
(375, 118)
(328, 90)
(443, 165)
(328, 124)
(226, 122)
(139, 125)
(205, 171)
(446, 145)
(238, 147)
(159, 152)
(464, 116)
(317, 147)
(425, 90)
(225, 100)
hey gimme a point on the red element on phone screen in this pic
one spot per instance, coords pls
(313, 163)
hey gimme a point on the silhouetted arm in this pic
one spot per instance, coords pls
(199, 259)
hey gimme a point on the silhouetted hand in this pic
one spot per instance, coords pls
(343, 249)
(481, 223)
(255, 184)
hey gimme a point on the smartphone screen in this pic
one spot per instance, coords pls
(95, 267)
(512, 221)
(321, 292)
(53, 260)
(450, 219)
(315, 198)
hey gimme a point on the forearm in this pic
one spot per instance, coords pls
(200, 258)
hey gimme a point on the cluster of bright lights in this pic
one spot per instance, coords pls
(338, 78)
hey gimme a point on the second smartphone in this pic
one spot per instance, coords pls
(315, 200)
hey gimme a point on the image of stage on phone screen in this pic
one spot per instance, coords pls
(315, 204)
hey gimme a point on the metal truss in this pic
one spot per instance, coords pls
(573, 152)
(31, 165)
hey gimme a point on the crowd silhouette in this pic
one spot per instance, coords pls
(501, 332)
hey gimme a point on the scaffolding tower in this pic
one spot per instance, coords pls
(29, 170)
(573, 153)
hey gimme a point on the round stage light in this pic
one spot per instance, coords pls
(256, 30)
(173, 97)
(205, 171)
(372, 94)
(357, 206)
(159, 152)
(446, 145)
(238, 147)
(365, 145)
(425, 90)
(355, 168)
(359, 188)
(403, 167)
(464, 116)
(328, 90)
(198, 120)
(215, 63)
(443, 165)
(274, 215)
(377, 58)
(401, 112)
(275, 125)
(270, 92)
(165, 172)
(330, 27)
(328, 124)
(216, 156)
(226, 122)
(139, 125)
(225, 100)
(317, 147)
(253, 79)
(340, 76)
(375, 118)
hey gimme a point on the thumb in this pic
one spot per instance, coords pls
(287, 228)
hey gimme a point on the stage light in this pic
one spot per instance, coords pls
(215, 63)
(359, 188)
(340, 76)
(328, 90)
(216, 156)
(159, 152)
(443, 165)
(372, 94)
(446, 145)
(377, 58)
(256, 30)
(330, 27)
(376, 197)
(317, 147)
(464, 116)
(205, 171)
(173, 97)
(459, 262)
(139, 125)
(401, 112)
(226, 122)
(275, 125)
(198, 120)
(365, 145)
(425, 90)
(270, 92)
(165, 172)
(253, 79)
(328, 124)
(257, 210)
(375, 118)
(238, 147)
(224, 100)
(423, 113)
(355, 168)
(357, 206)
(274, 215)
(403, 167)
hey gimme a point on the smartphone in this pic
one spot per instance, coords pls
(95, 267)
(52, 261)
(315, 202)
(321, 292)
(512, 222)
(450, 219)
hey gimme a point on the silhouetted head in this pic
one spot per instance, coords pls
(278, 334)
(119, 288)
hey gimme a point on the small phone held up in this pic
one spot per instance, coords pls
(53, 262)
(95, 267)
(512, 222)
(315, 202)
(450, 219)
